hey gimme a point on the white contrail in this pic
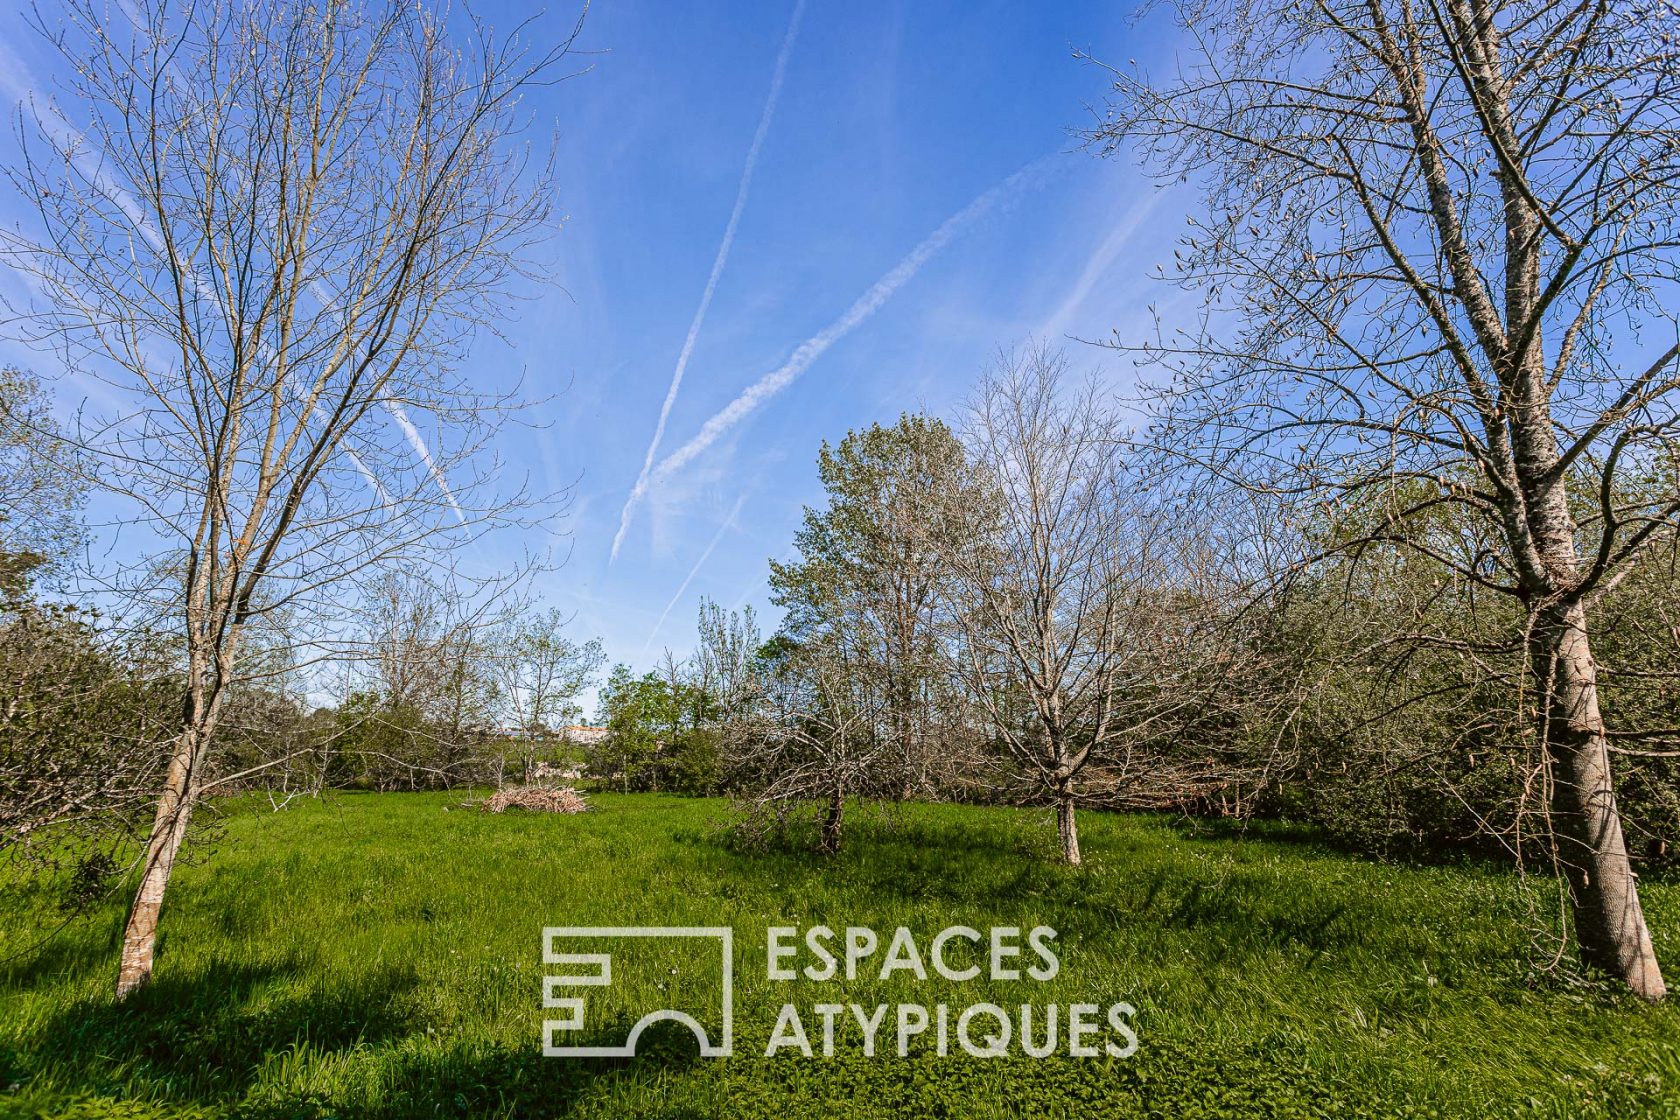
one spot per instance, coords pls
(718, 262)
(728, 523)
(1098, 263)
(417, 442)
(766, 387)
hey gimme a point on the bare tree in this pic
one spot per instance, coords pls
(1042, 585)
(540, 672)
(434, 667)
(808, 741)
(275, 227)
(1437, 241)
(723, 658)
(410, 620)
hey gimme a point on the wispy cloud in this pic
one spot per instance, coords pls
(758, 394)
(728, 523)
(718, 262)
(1098, 264)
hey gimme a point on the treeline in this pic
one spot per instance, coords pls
(421, 702)
(82, 715)
(1030, 607)
(424, 682)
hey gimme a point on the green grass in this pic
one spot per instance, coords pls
(375, 955)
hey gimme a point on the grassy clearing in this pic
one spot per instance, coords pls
(378, 956)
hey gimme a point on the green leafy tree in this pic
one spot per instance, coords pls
(640, 715)
(874, 563)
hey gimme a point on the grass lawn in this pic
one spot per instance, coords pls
(375, 955)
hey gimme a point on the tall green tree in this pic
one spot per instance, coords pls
(641, 716)
(874, 564)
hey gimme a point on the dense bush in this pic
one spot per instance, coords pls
(83, 726)
(1411, 727)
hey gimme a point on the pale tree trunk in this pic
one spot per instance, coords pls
(169, 829)
(174, 813)
(1067, 828)
(1587, 824)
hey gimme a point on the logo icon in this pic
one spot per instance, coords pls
(595, 970)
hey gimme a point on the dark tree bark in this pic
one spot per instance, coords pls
(834, 820)
(1067, 828)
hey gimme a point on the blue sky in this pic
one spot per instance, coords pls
(892, 119)
(930, 139)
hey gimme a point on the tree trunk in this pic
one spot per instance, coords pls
(906, 752)
(833, 821)
(169, 829)
(1067, 829)
(1603, 890)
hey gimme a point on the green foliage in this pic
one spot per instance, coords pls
(1414, 733)
(89, 882)
(84, 719)
(378, 956)
(85, 708)
(40, 491)
(639, 713)
(692, 763)
(863, 605)
(875, 548)
(383, 744)
(660, 735)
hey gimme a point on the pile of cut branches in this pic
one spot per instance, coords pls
(536, 799)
